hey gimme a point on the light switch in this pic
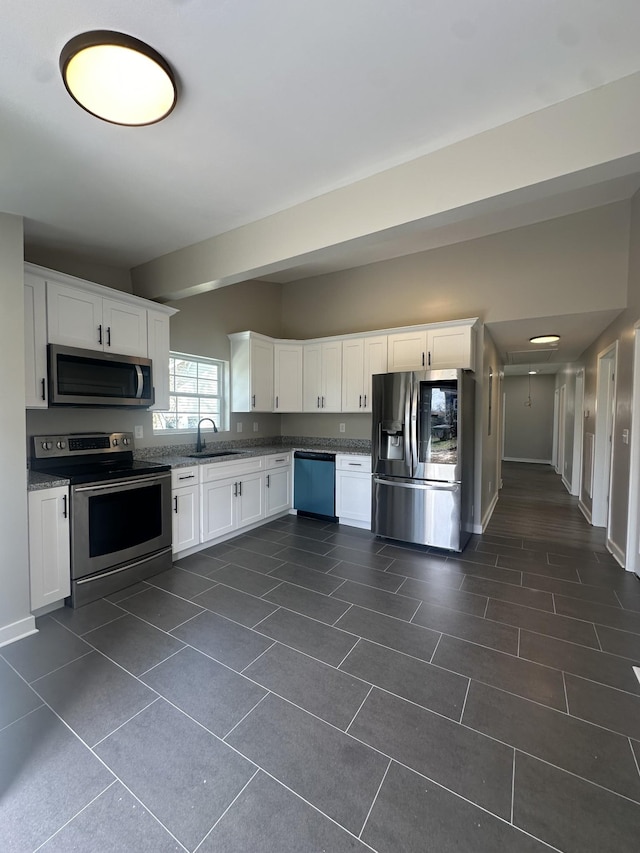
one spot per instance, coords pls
(138, 431)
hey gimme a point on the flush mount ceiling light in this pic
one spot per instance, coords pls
(118, 78)
(544, 339)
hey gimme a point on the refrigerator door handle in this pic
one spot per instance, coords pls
(424, 484)
(413, 427)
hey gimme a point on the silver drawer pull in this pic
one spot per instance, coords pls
(355, 464)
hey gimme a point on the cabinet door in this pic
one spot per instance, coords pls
(312, 382)
(158, 352)
(261, 373)
(353, 498)
(35, 342)
(352, 373)
(277, 491)
(125, 328)
(186, 518)
(217, 508)
(250, 500)
(332, 377)
(74, 317)
(49, 569)
(450, 347)
(407, 351)
(287, 360)
(375, 361)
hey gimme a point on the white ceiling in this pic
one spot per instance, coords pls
(281, 101)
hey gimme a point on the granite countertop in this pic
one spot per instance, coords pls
(37, 481)
(179, 461)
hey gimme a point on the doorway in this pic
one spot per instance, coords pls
(603, 450)
(633, 527)
(576, 468)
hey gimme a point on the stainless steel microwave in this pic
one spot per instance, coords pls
(79, 377)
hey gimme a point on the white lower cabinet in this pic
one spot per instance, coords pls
(185, 508)
(231, 497)
(217, 508)
(277, 494)
(49, 567)
(353, 490)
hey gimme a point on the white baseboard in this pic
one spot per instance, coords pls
(534, 461)
(486, 518)
(17, 630)
(616, 552)
(585, 511)
(180, 555)
(566, 483)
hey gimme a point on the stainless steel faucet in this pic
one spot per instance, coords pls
(200, 442)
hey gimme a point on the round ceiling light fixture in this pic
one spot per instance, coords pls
(118, 78)
(544, 339)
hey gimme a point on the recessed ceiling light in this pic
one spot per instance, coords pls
(532, 372)
(118, 78)
(544, 339)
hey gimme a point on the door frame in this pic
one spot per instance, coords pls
(632, 561)
(607, 366)
(578, 432)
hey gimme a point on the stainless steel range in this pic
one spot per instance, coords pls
(120, 510)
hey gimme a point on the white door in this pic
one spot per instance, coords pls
(186, 518)
(632, 562)
(352, 373)
(125, 328)
(375, 361)
(158, 352)
(605, 408)
(250, 499)
(332, 377)
(312, 382)
(448, 348)
(217, 508)
(49, 571)
(35, 342)
(576, 469)
(74, 317)
(407, 351)
(287, 360)
(277, 491)
(261, 372)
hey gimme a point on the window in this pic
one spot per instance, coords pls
(197, 389)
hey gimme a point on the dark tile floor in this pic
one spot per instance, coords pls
(307, 687)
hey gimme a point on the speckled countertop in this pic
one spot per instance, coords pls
(175, 455)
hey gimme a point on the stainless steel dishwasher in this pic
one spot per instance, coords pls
(314, 484)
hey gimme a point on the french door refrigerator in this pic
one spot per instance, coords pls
(422, 457)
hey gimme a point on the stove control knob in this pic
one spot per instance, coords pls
(115, 442)
(47, 445)
(126, 441)
(61, 445)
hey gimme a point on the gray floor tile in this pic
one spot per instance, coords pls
(354, 537)
(113, 823)
(17, 697)
(387, 631)
(505, 550)
(604, 706)
(46, 777)
(127, 592)
(220, 551)
(367, 576)
(509, 592)
(470, 555)
(504, 638)
(581, 748)
(539, 683)
(133, 644)
(399, 606)
(307, 602)
(83, 619)
(304, 543)
(565, 573)
(472, 765)
(268, 818)
(306, 635)
(182, 774)
(573, 590)
(410, 553)
(606, 576)
(621, 643)
(613, 617)
(415, 680)
(245, 609)
(179, 582)
(222, 639)
(571, 814)
(464, 602)
(329, 769)
(308, 578)
(255, 583)
(93, 696)
(267, 531)
(160, 608)
(255, 562)
(492, 573)
(431, 570)
(320, 689)
(259, 546)
(361, 558)
(311, 561)
(598, 666)
(411, 811)
(211, 693)
(203, 563)
(53, 646)
(562, 627)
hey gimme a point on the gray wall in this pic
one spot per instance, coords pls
(528, 430)
(14, 568)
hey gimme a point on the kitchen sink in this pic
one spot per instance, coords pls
(205, 454)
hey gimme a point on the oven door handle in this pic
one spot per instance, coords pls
(140, 381)
(117, 484)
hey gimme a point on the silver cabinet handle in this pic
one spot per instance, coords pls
(175, 504)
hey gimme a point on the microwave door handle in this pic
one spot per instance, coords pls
(140, 381)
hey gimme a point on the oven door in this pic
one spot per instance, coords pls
(117, 521)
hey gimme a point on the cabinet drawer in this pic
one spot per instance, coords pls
(187, 476)
(278, 460)
(347, 462)
(220, 470)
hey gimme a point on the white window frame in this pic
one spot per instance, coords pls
(223, 396)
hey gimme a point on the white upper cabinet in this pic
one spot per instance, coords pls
(35, 342)
(436, 348)
(323, 377)
(158, 352)
(407, 351)
(361, 358)
(251, 372)
(81, 318)
(287, 377)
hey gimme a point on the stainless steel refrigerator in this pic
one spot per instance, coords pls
(422, 457)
